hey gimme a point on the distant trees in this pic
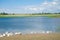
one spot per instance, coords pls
(43, 13)
(3, 13)
(40, 13)
(13, 14)
(59, 13)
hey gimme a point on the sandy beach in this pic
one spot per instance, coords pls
(54, 36)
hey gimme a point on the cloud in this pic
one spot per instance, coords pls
(46, 6)
(32, 8)
(4, 10)
(54, 3)
(45, 3)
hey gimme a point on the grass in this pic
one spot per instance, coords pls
(29, 15)
(33, 37)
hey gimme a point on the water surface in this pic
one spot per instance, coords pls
(28, 24)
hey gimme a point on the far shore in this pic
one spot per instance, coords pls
(29, 15)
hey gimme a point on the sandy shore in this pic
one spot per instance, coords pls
(33, 37)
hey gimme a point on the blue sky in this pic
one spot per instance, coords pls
(29, 6)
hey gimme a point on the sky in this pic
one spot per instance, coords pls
(29, 6)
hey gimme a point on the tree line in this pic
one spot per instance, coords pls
(3, 13)
(31, 13)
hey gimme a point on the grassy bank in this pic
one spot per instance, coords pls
(29, 15)
(33, 37)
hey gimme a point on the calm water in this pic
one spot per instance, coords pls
(28, 24)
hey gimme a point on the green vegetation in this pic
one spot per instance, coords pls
(29, 15)
(3, 13)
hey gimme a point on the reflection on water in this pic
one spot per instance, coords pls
(28, 24)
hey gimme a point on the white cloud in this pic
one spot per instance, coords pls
(43, 7)
(4, 10)
(54, 3)
(35, 9)
(48, 6)
(1, 10)
(45, 3)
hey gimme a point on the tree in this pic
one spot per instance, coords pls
(3, 13)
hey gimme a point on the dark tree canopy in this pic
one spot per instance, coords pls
(3, 13)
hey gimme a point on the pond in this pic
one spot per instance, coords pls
(28, 24)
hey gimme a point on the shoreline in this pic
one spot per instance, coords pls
(27, 15)
(33, 37)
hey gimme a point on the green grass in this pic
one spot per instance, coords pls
(33, 37)
(29, 15)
